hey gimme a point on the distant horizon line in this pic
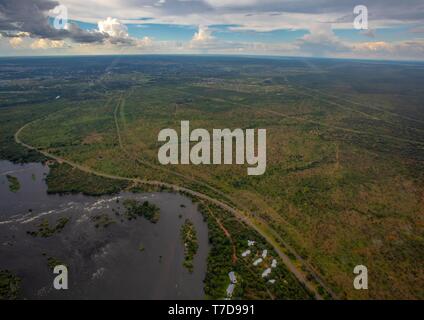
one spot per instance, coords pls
(229, 55)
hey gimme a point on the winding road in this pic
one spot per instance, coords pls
(299, 274)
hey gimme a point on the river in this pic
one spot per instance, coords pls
(125, 260)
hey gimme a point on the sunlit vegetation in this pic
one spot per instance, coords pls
(221, 261)
(64, 179)
(45, 230)
(135, 209)
(345, 149)
(9, 285)
(102, 220)
(52, 262)
(191, 245)
(14, 184)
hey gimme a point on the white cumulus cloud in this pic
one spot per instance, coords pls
(16, 42)
(203, 34)
(47, 44)
(113, 27)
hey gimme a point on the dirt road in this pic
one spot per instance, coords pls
(243, 216)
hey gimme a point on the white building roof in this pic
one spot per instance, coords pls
(246, 253)
(266, 273)
(250, 243)
(258, 261)
(274, 263)
(264, 253)
(232, 276)
(230, 290)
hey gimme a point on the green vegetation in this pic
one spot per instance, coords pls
(45, 231)
(136, 209)
(52, 262)
(62, 178)
(222, 259)
(189, 239)
(102, 220)
(345, 155)
(14, 185)
(9, 150)
(9, 285)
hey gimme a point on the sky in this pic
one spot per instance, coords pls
(384, 29)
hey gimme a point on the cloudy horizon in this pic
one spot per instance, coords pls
(320, 28)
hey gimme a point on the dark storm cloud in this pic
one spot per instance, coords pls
(30, 16)
(82, 36)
